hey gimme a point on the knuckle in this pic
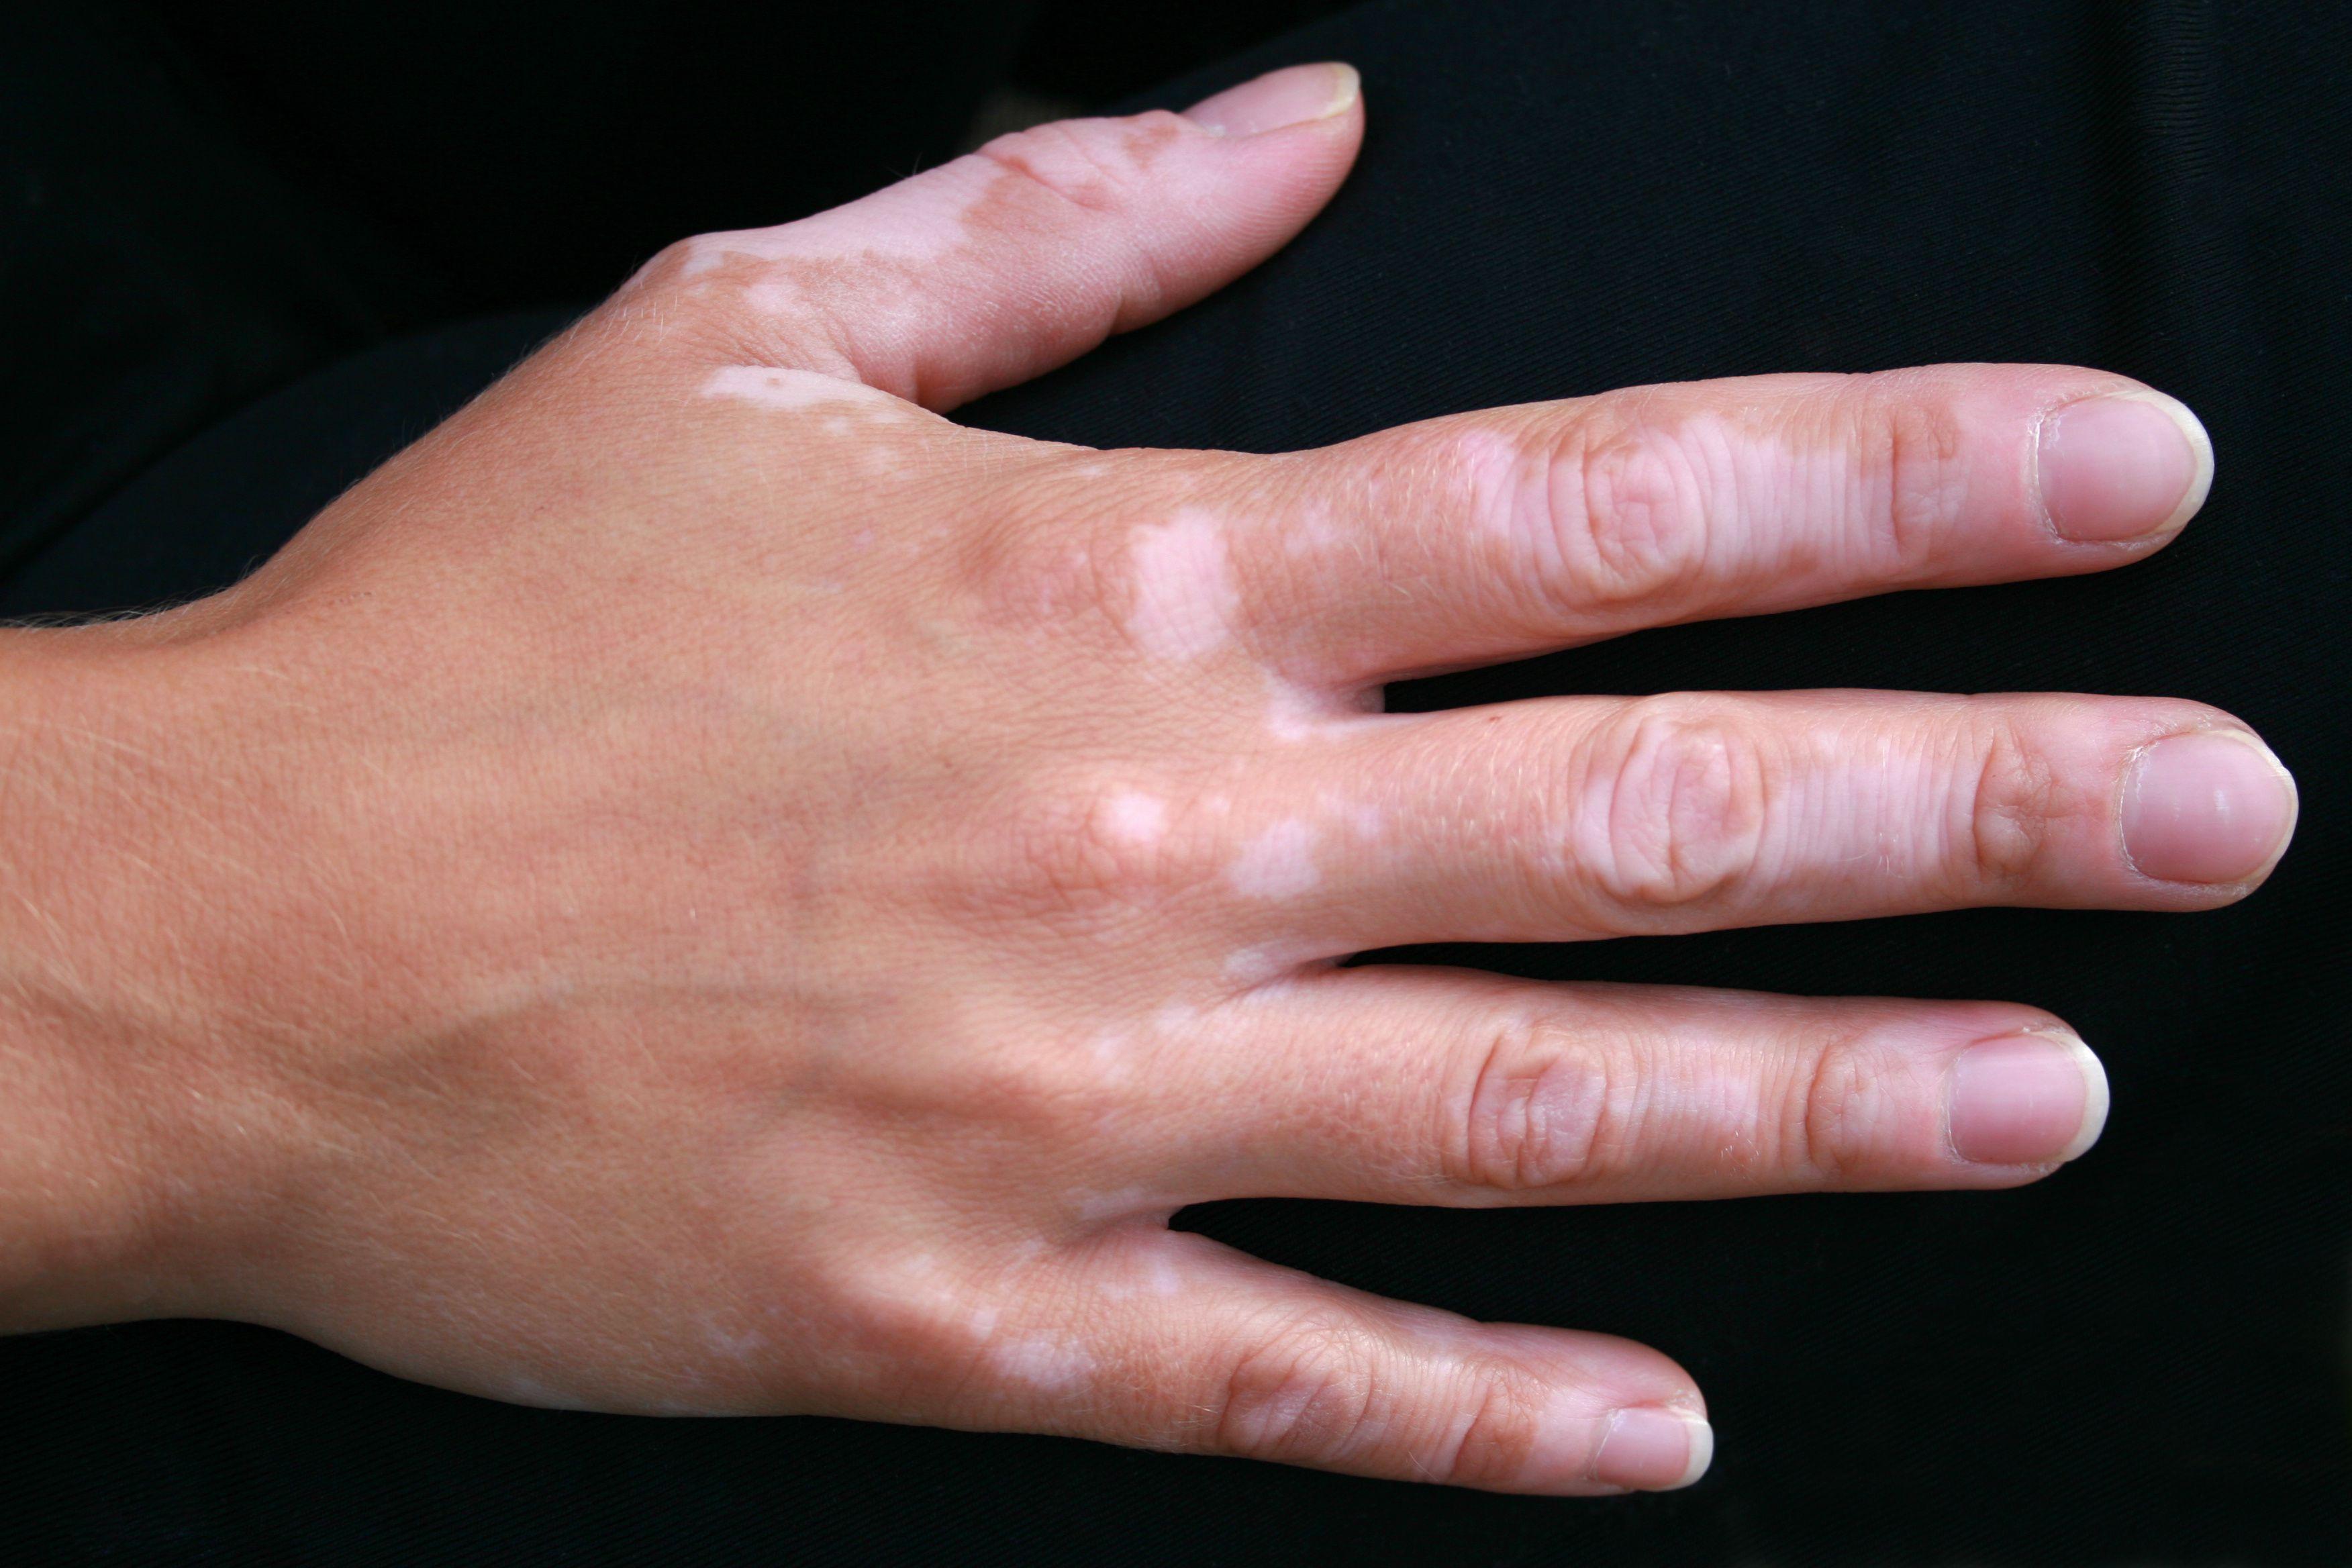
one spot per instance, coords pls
(2011, 804)
(697, 295)
(1083, 848)
(971, 1082)
(1505, 1425)
(1019, 1085)
(911, 1311)
(1093, 166)
(1317, 1392)
(672, 261)
(1308, 1393)
(1623, 514)
(1036, 564)
(1543, 1110)
(1672, 808)
(1845, 1113)
(1909, 449)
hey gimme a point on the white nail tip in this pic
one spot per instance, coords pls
(1702, 1452)
(2199, 442)
(2095, 1094)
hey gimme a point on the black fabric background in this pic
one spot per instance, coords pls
(2142, 1360)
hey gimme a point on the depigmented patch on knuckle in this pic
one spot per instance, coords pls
(1622, 517)
(1543, 1110)
(2011, 804)
(1089, 849)
(1672, 807)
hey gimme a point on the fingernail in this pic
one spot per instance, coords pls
(2026, 1099)
(1291, 96)
(2122, 466)
(2211, 807)
(1652, 1449)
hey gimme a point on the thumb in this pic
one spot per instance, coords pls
(1007, 262)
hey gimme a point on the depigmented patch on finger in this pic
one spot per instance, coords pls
(1277, 862)
(916, 222)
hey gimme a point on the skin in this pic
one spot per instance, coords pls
(703, 886)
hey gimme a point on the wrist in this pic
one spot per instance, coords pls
(100, 1003)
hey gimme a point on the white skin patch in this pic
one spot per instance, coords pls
(1297, 712)
(1364, 821)
(1174, 1017)
(1041, 1363)
(735, 1346)
(1151, 1270)
(1490, 464)
(1267, 961)
(1278, 863)
(525, 1390)
(1314, 533)
(1131, 816)
(917, 222)
(1185, 599)
(1111, 1049)
(773, 388)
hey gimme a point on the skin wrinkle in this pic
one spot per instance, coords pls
(1677, 502)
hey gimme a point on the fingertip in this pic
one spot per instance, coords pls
(2213, 807)
(1653, 1448)
(2034, 1099)
(2123, 466)
(1280, 99)
(2097, 1099)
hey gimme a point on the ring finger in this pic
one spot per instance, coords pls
(1396, 1084)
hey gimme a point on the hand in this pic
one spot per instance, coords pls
(703, 886)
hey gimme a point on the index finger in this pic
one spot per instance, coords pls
(1514, 531)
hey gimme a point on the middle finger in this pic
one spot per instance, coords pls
(1577, 817)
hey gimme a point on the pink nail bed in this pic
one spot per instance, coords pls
(2211, 806)
(2122, 466)
(2025, 1099)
